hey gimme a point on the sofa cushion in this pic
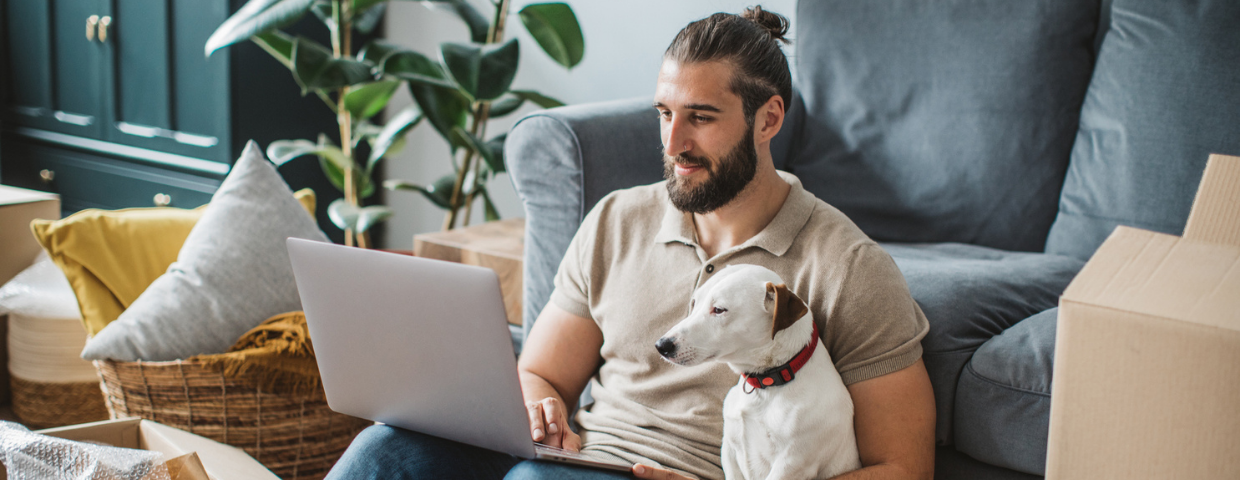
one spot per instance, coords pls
(1164, 96)
(944, 121)
(1003, 402)
(970, 294)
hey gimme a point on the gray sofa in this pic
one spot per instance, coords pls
(989, 145)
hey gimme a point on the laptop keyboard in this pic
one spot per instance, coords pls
(559, 451)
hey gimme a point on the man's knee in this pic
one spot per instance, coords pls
(383, 452)
(536, 470)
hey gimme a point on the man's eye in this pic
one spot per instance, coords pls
(701, 119)
(717, 310)
(665, 114)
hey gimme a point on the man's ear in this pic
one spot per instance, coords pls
(787, 308)
(769, 119)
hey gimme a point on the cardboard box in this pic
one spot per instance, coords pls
(498, 245)
(1146, 381)
(18, 249)
(220, 462)
(18, 207)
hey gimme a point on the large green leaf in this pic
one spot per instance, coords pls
(255, 17)
(369, 99)
(496, 146)
(374, 52)
(494, 159)
(483, 72)
(360, 219)
(371, 216)
(439, 193)
(336, 176)
(542, 100)
(278, 44)
(281, 151)
(362, 5)
(491, 213)
(314, 68)
(555, 28)
(365, 21)
(414, 67)
(505, 106)
(478, 25)
(323, 10)
(445, 108)
(395, 130)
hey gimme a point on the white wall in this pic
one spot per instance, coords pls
(624, 45)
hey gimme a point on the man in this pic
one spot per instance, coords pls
(629, 273)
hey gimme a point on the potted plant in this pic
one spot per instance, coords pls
(458, 91)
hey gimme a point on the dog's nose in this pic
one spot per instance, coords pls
(666, 347)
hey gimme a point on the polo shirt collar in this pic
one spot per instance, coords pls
(777, 237)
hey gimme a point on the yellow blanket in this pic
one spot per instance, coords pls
(277, 354)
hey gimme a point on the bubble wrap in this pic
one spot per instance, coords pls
(32, 456)
(40, 291)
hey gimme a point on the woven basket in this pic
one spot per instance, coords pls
(295, 436)
(46, 405)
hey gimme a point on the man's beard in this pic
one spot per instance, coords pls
(724, 182)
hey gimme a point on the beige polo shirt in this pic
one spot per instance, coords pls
(632, 268)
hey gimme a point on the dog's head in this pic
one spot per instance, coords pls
(733, 315)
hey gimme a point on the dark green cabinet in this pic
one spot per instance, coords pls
(112, 103)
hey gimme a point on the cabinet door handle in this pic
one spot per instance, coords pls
(162, 200)
(103, 28)
(47, 176)
(92, 22)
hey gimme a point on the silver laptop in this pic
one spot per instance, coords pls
(418, 344)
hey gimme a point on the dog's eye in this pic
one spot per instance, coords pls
(717, 310)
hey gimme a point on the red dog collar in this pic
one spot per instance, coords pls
(784, 373)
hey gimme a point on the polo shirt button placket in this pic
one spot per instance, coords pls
(710, 268)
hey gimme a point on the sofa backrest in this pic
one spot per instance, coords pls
(1165, 95)
(945, 120)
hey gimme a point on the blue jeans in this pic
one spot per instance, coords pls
(383, 452)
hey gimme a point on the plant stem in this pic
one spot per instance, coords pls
(341, 47)
(481, 110)
(473, 190)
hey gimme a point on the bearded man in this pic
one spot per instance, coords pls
(635, 261)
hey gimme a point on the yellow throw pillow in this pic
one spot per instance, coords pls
(111, 256)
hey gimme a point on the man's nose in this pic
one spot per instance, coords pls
(666, 347)
(676, 141)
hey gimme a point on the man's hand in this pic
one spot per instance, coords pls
(549, 424)
(560, 355)
(647, 471)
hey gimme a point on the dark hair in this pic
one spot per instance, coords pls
(750, 42)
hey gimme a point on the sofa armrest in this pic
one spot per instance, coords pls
(564, 160)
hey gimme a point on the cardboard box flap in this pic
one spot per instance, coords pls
(14, 196)
(221, 461)
(1215, 217)
(1163, 275)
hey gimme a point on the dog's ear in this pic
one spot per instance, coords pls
(786, 306)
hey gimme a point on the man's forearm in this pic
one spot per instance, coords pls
(535, 388)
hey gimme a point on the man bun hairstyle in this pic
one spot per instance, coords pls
(751, 43)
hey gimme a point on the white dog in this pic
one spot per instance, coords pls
(790, 416)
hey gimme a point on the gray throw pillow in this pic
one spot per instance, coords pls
(1163, 98)
(232, 273)
(942, 121)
